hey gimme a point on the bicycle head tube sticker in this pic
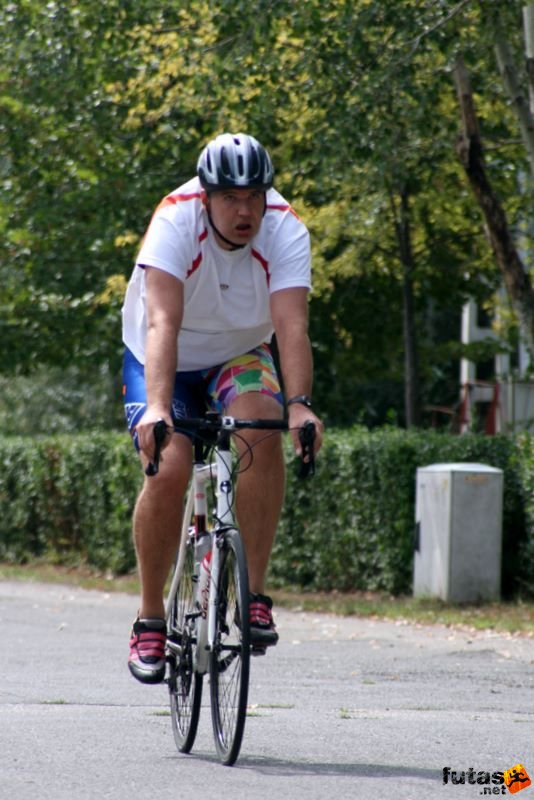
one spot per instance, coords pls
(516, 778)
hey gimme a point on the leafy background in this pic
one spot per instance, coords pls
(103, 109)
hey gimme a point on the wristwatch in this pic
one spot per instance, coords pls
(301, 399)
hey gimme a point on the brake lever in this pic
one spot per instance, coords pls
(160, 432)
(307, 439)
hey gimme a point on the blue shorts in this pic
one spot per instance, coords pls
(203, 390)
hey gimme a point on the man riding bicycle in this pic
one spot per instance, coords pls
(225, 262)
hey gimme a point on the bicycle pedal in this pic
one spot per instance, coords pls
(258, 651)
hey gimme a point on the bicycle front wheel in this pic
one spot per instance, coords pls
(185, 685)
(230, 656)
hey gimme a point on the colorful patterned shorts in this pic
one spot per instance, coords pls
(204, 390)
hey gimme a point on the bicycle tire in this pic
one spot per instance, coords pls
(185, 685)
(230, 656)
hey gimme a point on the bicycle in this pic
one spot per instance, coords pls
(207, 606)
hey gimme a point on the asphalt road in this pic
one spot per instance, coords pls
(342, 707)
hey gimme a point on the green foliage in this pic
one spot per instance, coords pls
(53, 401)
(103, 109)
(69, 499)
(62, 171)
(524, 462)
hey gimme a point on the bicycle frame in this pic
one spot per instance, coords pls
(203, 473)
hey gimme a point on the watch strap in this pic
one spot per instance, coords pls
(301, 399)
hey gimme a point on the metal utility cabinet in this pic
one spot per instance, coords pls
(458, 539)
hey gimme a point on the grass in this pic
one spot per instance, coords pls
(83, 577)
(505, 617)
(54, 703)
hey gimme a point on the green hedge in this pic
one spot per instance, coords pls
(353, 527)
(68, 499)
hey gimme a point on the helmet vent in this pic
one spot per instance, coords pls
(225, 163)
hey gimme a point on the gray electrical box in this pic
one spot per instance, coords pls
(458, 539)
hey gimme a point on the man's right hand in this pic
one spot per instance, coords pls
(145, 431)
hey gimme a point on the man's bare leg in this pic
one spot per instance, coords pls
(260, 489)
(156, 524)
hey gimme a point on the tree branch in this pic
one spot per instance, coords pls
(519, 101)
(470, 151)
(428, 31)
(528, 25)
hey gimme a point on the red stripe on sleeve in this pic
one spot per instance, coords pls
(198, 260)
(285, 207)
(264, 264)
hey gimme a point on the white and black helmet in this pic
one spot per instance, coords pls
(235, 160)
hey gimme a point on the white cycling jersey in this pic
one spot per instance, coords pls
(226, 308)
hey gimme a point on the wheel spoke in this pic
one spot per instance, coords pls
(229, 662)
(185, 686)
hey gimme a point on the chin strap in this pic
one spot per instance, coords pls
(233, 245)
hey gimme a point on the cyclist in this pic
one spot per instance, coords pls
(225, 262)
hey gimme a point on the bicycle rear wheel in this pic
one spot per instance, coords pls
(230, 657)
(185, 685)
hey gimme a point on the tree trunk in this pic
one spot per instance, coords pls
(412, 401)
(517, 96)
(470, 151)
(528, 24)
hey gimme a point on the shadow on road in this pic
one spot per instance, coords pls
(280, 767)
